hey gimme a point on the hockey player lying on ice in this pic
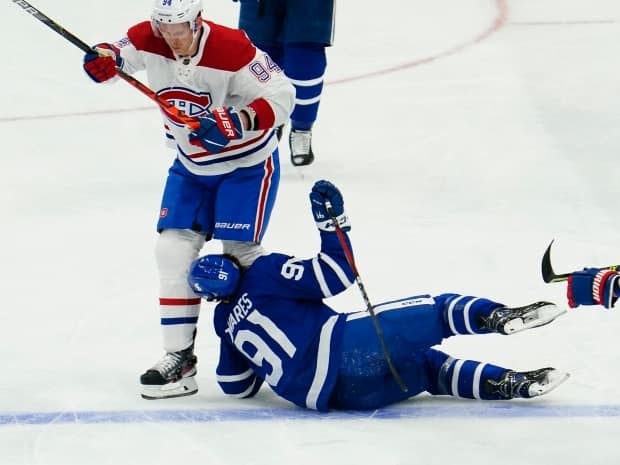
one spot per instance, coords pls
(274, 327)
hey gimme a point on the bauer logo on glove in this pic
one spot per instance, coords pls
(217, 129)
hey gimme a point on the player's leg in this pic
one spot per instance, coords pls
(476, 315)
(183, 224)
(477, 380)
(308, 30)
(245, 200)
(304, 64)
(263, 21)
(410, 326)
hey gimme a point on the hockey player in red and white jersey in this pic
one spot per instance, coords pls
(224, 180)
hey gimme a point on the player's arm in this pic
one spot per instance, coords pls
(326, 274)
(102, 63)
(234, 375)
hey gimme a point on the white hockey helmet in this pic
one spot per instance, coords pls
(176, 12)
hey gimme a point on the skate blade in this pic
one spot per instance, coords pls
(538, 317)
(183, 387)
(552, 380)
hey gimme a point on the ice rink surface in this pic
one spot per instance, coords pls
(465, 135)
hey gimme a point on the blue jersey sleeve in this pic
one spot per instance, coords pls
(326, 274)
(234, 374)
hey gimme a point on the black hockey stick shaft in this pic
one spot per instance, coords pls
(550, 276)
(369, 306)
(166, 106)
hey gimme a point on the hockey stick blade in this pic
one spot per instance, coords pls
(549, 276)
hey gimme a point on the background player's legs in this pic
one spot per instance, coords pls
(304, 64)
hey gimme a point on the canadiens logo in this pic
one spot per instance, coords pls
(189, 102)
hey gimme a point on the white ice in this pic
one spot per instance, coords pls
(465, 136)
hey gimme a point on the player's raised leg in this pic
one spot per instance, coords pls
(476, 315)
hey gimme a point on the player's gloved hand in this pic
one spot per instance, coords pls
(217, 129)
(593, 286)
(101, 63)
(327, 203)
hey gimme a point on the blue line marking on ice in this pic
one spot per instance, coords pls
(207, 416)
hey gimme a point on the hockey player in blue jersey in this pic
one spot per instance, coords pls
(296, 35)
(274, 327)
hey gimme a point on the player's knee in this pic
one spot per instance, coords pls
(176, 249)
(244, 252)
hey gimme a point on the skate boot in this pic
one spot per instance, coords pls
(507, 320)
(172, 376)
(300, 144)
(525, 384)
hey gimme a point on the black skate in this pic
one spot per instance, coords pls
(507, 320)
(172, 376)
(300, 144)
(525, 384)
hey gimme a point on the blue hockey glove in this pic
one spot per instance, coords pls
(593, 286)
(327, 202)
(102, 62)
(217, 129)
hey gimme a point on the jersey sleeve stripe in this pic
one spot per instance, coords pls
(246, 392)
(234, 378)
(318, 273)
(329, 261)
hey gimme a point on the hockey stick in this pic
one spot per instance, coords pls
(166, 106)
(369, 306)
(549, 276)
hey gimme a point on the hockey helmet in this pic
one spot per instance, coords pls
(214, 276)
(176, 12)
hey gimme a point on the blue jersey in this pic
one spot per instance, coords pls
(277, 328)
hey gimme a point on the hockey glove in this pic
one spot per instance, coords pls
(327, 202)
(217, 129)
(102, 62)
(593, 286)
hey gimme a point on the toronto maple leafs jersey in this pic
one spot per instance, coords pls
(278, 330)
(227, 70)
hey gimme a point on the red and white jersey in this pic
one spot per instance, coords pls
(227, 70)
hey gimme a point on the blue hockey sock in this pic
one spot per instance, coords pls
(305, 64)
(460, 378)
(461, 313)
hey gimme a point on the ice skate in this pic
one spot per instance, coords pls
(172, 376)
(525, 384)
(300, 144)
(506, 320)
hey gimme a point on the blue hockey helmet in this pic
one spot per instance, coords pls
(214, 276)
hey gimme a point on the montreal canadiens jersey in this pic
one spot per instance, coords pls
(227, 70)
(278, 330)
